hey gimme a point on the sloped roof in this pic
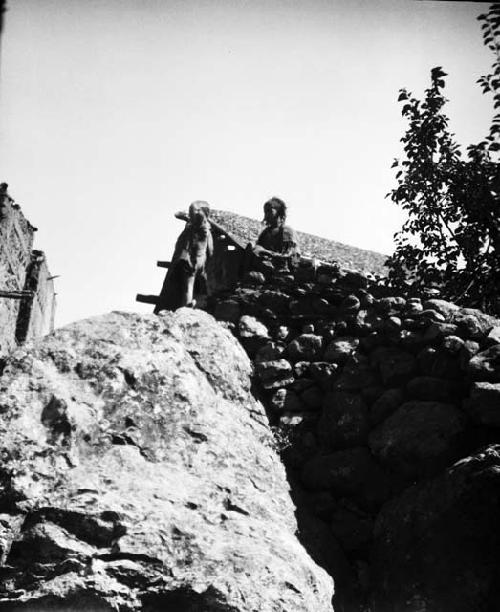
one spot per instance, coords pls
(247, 230)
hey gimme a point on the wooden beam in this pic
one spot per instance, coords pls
(16, 295)
(147, 299)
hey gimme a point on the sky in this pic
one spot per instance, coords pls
(115, 114)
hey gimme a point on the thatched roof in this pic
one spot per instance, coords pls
(247, 230)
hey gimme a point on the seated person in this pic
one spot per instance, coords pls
(277, 239)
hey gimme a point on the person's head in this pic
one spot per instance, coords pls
(199, 210)
(274, 212)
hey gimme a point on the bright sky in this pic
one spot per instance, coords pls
(116, 113)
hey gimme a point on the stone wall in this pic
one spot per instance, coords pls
(22, 269)
(370, 394)
(16, 242)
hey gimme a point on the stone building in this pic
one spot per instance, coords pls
(231, 234)
(27, 298)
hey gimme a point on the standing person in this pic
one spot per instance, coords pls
(187, 273)
(276, 239)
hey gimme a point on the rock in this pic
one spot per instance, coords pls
(323, 373)
(322, 306)
(253, 278)
(429, 388)
(284, 400)
(411, 341)
(436, 546)
(413, 308)
(355, 279)
(339, 350)
(324, 278)
(344, 420)
(271, 351)
(373, 341)
(10, 528)
(306, 347)
(249, 327)
(483, 405)
(350, 305)
(494, 336)
(227, 310)
(357, 374)
(352, 473)
(302, 305)
(295, 418)
(390, 305)
(365, 298)
(437, 331)
(352, 527)
(469, 349)
(371, 322)
(453, 344)
(429, 315)
(372, 393)
(150, 481)
(301, 368)
(486, 365)
(301, 384)
(326, 330)
(396, 367)
(386, 404)
(447, 309)
(419, 439)
(323, 504)
(486, 321)
(275, 301)
(305, 272)
(472, 326)
(274, 374)
(312, 398)
(439, 363)
(392, 325)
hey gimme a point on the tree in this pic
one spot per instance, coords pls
(451, 238)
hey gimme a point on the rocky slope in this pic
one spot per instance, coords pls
(138, 473)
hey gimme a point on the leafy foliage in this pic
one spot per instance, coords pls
(451, 238)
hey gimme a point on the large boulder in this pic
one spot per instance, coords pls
(344, 420)
(352, 473)
(306, 347)
(486, 365)
(437, 546)
(419, 438)
(138, 473)
(396, 367)
(483, 405)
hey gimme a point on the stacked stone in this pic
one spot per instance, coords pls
(376, 391)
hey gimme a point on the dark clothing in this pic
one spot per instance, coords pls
(281, 239)
(192, 248)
